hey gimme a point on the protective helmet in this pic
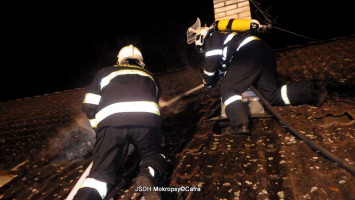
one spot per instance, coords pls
(201, 35)
(197, 34)
(130, 52)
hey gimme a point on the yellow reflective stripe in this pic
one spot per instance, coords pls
(284, 95)
(229, 37)
(127, 65)
(134, 106)
(203, 81)
(162, 155)
(232, 99)
(247, 40)
(106, 80)
(93, 123)
(92, 98)
(100, 186)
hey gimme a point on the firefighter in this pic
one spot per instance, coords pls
(234, 52)
(122, 106)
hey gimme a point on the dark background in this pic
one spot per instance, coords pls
(58, 46)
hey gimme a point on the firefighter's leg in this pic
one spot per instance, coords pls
(238, 114)
(267, 85)
(266, 80)
(87, 193)
(108, 153)
(311, 92)
(147, 141)
(241, 73)
(319, 92)
(304, 92)
(236, 110)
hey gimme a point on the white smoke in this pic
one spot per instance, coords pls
(72, 142)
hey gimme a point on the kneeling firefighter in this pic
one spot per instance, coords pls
(234, 52)
(122, 105)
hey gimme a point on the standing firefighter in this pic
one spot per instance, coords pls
(122, 105)
(233, 50)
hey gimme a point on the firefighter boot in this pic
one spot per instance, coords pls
(87, 193)
(319, 92)
(239, 116)
(146, 182)
(243, 129)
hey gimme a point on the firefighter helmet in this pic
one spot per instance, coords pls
(197, 34)
(130, 52)
(201, 35)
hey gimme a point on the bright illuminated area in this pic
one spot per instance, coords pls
(178, 100)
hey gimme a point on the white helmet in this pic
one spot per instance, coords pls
(197, 34)
(201, 35)
(130, 52)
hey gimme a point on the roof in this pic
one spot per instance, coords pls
(46, 140)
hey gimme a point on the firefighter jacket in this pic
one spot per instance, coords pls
(220, 47)
(123, 95)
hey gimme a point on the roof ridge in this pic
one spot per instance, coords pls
(314, 43)
(43, 95)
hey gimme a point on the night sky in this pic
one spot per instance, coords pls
(54, 47)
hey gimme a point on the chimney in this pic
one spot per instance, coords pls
(231, 9)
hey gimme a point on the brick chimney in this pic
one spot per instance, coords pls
(231, 9)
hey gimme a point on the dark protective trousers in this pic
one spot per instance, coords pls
(255, 64)
(111, 148)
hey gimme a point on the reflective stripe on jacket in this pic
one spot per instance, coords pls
(219, 50)
(123, 95)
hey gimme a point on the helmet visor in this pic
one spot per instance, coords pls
(192, 31)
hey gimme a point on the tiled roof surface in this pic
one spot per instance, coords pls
(48, 139)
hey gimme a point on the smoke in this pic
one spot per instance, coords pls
(72, 142)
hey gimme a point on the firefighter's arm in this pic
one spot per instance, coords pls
(162, 103)
(91, 101)
(209, 79)
(89, 107)
(211, 63)
(210, 70)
